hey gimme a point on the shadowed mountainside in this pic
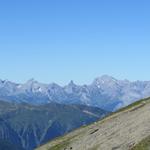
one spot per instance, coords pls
(28, 125)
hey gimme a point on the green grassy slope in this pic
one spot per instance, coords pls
(143, 145)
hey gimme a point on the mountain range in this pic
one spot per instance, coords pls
(33, 113)
(104, 92)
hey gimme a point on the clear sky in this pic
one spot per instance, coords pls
(60, 40)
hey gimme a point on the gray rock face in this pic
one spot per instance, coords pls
(105, 92)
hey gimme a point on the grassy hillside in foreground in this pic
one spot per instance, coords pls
(143, 145)
(120, 131)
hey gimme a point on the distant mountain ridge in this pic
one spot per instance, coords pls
(105, 92)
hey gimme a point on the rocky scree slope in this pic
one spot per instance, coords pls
(127, 129)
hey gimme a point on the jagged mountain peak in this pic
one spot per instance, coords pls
(54, 86)
(71, 83)
(31, 81)
(6, 81)
(105, 78)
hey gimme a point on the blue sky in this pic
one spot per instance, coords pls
(60, 40)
